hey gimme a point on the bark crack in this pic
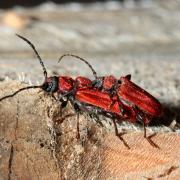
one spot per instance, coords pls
(12, 149)
(54, 142)
(10, 162)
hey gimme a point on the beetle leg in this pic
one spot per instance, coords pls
(53, 96)
(149, 137)
(143, 118)
(77, 126)
(119, 135)
(96, 118)
(63, 105)
(61, 120)
(144, 127)
(92, 112)
(77, 110)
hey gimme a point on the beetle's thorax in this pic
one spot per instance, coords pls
(65, 84)
(109, 83)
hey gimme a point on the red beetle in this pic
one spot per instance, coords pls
(126, 91)
(118, 99)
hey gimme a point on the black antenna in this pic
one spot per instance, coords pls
(19, 90)
(37, 54)
(81, 59)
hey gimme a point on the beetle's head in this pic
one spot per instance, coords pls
(50, 84)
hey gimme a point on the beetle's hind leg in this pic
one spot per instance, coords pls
(119, 134)
(149, 138)
(143, 118)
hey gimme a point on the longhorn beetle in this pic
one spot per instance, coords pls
(102, 95)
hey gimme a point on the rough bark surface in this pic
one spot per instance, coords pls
(37, 142)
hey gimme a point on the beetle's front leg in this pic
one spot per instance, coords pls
(53, 96)
(77, 111)
(63, 104)
(64, 100)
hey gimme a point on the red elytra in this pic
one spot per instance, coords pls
(108, 104)
(130, 92)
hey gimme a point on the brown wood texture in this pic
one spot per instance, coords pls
(35, 145)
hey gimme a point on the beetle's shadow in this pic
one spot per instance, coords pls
(171, 114)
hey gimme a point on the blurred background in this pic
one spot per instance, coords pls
(9, 3)
(138, 37)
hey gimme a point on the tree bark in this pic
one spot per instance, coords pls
(37, 142)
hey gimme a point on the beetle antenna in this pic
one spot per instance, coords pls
(37, 54)
(19, 90)
(81, 59)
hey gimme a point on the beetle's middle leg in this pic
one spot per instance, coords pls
(77, 111)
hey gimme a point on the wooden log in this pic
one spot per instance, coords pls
(37, 142)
